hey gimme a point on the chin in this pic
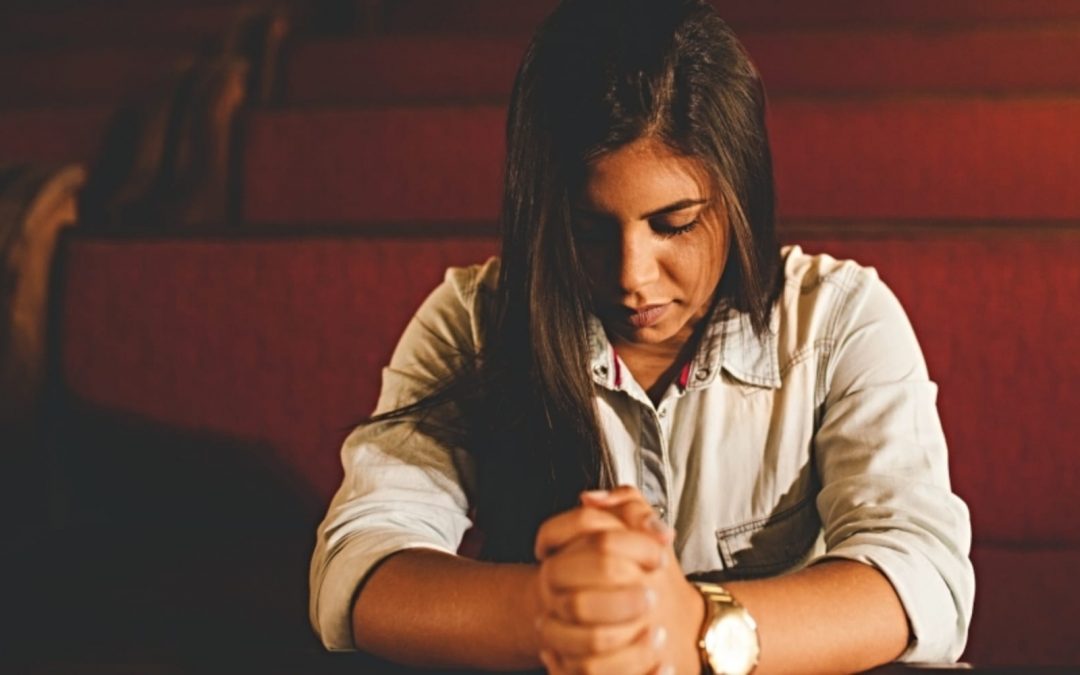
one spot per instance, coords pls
(650, 335)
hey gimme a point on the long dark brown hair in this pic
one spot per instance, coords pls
(598, 74)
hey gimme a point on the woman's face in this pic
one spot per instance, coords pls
(653, 240)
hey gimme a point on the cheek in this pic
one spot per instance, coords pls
(697, 267)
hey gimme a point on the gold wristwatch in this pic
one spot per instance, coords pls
(729, 640)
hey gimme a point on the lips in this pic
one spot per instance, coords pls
(647, 315)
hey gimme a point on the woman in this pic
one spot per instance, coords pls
(767, 413)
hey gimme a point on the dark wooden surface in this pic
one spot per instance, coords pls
(321, 663)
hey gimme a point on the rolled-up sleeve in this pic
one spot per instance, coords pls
(881, 455)
(404, 486)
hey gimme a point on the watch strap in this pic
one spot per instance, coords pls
(718, 601)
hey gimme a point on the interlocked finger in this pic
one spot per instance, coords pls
(602, 606)
(585, 568)
(563, 528)
(640, 657)
(630, 507)
(575, 640)
(643, 549)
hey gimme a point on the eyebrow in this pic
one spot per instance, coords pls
(663, 210)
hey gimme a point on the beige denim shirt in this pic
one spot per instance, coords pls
(821, 440)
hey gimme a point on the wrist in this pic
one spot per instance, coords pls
(689, 653)
(531, 609)
(729, 642)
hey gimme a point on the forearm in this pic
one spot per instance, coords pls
(432, 609)
(838, 616)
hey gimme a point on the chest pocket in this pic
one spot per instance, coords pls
(768, 546)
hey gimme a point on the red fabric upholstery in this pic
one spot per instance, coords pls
(794, 12)
(927, 158)
(911, 158)
(1010, 60)
(409, 68)
(1027, 605)
(497, 16)
(278, 341)
(123, 23)
(272, 346)
(81, 76)
(384, 164)
(51, 135)
(397, 69)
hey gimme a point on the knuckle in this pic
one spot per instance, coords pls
(643, 599)
(596, 641)
(588, 667)
(605, 541)
(544, 574)
(543, 530)
(606, 640)
(608, 566)
(635, 510)
(542, 541)
(580, 517)
(613, 568)
(545, 630)
(576, 607)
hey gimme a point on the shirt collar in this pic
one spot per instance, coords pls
(729, 344)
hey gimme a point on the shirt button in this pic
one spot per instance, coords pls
(701, 374)
(600, 371)
(662, 412)
(661, 511)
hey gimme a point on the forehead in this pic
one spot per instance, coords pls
(640, 177)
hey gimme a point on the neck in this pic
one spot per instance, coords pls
(656, 366)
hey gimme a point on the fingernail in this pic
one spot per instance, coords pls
(658, 526)
(596, 495)
(667, 669)
(650, 598)
(659, 637)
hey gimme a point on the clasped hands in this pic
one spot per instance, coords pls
(613, 598)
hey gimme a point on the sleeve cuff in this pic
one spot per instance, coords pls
(936, 611)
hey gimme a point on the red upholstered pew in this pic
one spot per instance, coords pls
(909, 158)
(203, 385)
(202, 390)
(446, 67)
(498, 16)
(84, 75)
(72, 24)
(402, 69)
(1010, 59)
(265, 339)
(51, 135)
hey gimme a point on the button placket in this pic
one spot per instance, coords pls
(653, 478)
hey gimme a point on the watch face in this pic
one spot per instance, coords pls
(732, 644)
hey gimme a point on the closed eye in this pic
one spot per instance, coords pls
(667, 231)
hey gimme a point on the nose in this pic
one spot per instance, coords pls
(638, 264)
